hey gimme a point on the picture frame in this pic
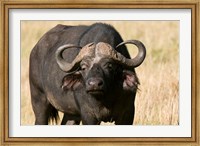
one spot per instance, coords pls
(7, 5)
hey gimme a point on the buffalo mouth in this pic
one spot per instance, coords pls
(96, 92)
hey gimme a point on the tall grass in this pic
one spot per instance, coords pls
(157, 101)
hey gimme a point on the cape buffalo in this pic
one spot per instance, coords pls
(86, 73)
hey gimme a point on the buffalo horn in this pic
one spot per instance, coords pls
(70, 67)
(135, 62)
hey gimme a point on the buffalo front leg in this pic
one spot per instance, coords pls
(89, 119)
(126, 117)
(70, 120)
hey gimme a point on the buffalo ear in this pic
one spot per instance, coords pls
(130, 80)
(72, 81)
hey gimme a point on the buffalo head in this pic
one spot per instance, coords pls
(100, 68)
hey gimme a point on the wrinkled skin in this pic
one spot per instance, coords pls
(100, 90)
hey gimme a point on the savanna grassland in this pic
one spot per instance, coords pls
(157, 101)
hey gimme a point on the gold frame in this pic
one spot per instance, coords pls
(182, 4)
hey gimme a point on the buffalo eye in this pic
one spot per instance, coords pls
(109, 66)
(84, 66)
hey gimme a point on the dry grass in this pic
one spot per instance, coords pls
(157, 101)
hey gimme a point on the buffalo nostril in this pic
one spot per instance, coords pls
(100, 83)
(95, 82)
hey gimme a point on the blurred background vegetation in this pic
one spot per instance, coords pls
(157, 101)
